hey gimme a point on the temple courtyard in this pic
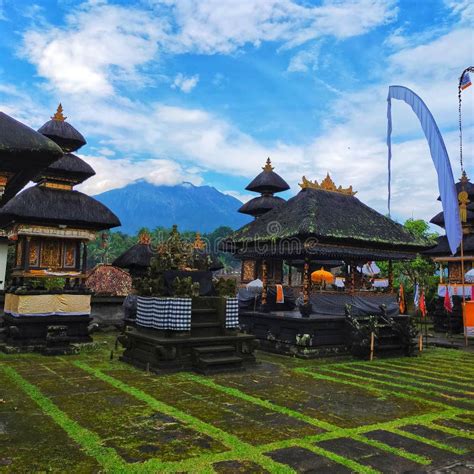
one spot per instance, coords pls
(92, 413)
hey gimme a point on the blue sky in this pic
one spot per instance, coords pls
(204, 90)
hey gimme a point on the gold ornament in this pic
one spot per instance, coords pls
(59, 114)
(268, 166)
(327, 184)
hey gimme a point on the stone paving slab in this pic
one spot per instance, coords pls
(369, 455)
(303, 460)
(409, 445)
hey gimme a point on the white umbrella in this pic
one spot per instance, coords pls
(370, 268)
(255, 285)
(469, 276)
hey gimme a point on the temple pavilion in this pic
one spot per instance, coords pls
(23, 153)
(322, 223)
(451, 266)
(50, 224)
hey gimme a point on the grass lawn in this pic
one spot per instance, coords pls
(88, 413)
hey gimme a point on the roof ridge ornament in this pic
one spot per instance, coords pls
(268, 166)
(59, 114)
(144, 238)
(327, 184)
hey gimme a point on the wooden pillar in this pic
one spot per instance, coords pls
(26, 256)
(265, 282)
(353, 277)
(84, 258)
(78, 256)
(306, 281)
(390, 276)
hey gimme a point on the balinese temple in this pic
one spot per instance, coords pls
(323, 222)
(450, 267)
(50, 225)
(23, 153)
(267, 183)
(137, 258)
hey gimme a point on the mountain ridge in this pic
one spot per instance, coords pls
(196, 208)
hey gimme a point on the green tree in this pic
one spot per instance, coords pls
(421, 269)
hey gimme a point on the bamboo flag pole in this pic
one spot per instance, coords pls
(372, 344)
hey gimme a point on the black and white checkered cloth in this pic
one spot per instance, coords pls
(232, 313)
(164, 313)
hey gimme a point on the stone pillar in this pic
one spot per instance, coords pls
(3, 261)
(264, 281)
(289, 274)
(306, 282)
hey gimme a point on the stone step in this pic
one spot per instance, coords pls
(227, 360)
(215, 364)
(213, 349)
(206, 329)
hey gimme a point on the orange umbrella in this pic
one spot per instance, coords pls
(322, 275)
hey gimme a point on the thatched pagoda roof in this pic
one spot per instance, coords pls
(69, 167)
(260, 205)
(62, 132)
(330, 224)
(23, 152)
(44, 205)
(268, 181)
(442, 248)
(136, 257)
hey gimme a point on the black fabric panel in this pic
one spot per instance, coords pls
(204, 279)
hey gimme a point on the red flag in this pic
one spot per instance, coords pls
(447, 301)
(402, 305)
(422, 304)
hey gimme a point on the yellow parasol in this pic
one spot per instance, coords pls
(322, 275)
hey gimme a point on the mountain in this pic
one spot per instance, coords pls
(200, 208)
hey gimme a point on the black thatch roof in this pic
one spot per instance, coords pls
(136, 257)
(70, 167)
(260, 205)
(42, 205)
(439, 218)
(468, 187)
(64, 134)
(442, 248)
(268, 181)
(330, 218)
(23, 152)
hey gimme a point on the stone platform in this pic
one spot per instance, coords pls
(287, 332)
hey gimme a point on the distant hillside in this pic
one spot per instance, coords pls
(200, 208)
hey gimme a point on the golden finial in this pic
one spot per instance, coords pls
(268, 166)
(199, 244)
(463, 198)
(59, 114)
(144, 238)
(327, 184)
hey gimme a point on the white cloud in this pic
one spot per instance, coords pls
(463, 8)
(242, 197)
(305, 60)
(111, 174)
(214, 26)
(184, 83)
(101, 45)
